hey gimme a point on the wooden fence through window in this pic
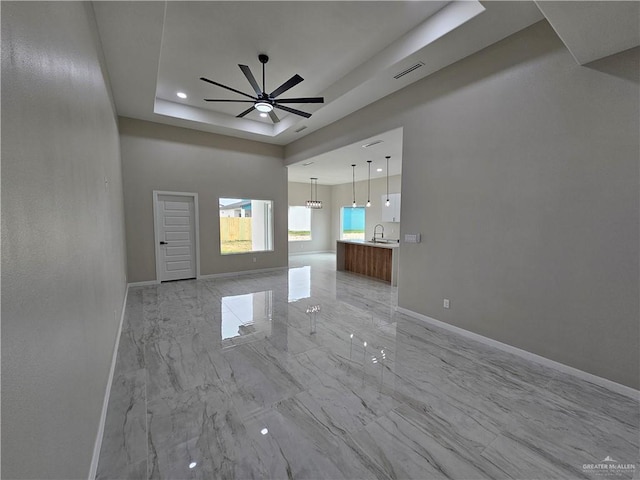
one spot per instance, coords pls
(233, 229)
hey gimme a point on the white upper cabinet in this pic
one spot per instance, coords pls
(392, 212)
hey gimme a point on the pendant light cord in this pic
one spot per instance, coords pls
(369, 183)
(388, 178)
(353, 181)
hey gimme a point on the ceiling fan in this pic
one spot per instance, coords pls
(263, 102)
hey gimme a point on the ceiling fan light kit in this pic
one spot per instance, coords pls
(263, 107)
(266, 102)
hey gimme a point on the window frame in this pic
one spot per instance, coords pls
(269, 240)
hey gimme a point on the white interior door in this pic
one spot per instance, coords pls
(176, 232)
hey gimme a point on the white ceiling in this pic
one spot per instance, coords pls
(595, 29)
(321, 41)
(334, 168)
(347, 52)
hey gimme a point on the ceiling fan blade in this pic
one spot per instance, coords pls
(274, 117)
(226, 100)
(252, 80)
(248, 110)
(293, 110)
(292, 82)
(301, 100)
(228, 88)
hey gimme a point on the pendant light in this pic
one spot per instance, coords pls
(387, 203)
(314, 202)
(369, 185)
(353, 183)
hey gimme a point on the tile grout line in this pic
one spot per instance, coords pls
(366, 455)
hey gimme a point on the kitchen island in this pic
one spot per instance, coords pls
(377, 260)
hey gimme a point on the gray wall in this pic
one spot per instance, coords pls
(63, 254)
(342, 196)
(162, 157)
(320, 241)
(520, 169)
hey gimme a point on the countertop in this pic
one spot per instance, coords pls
(369, 243)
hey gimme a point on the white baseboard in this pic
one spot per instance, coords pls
(589, 377)
(291, 254)
(143, 284)
(105, 403)
(242, 272)
(212, 275)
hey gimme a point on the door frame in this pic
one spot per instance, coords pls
(156, 231)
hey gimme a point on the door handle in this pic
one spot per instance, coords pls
(164, 243)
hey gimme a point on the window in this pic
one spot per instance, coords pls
(352, 224)
(246, 225)
(299, 224)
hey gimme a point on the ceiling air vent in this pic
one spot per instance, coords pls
(408, 70)
(375, 142)
(300, 129)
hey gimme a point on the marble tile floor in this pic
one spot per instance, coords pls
(310, 373)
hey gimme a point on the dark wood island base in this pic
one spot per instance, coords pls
(366, 258)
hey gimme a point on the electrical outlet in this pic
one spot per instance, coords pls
(254, 259)
(445, 303)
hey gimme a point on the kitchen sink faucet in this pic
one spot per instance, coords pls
(375, 232)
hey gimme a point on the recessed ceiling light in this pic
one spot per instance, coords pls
(181, 95)
(378, 169)
(263, 115)
(192, 465)
(307, 164)
(264, 431)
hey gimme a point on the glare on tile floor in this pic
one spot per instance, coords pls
(448, 404)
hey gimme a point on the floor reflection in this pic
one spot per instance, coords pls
(299, 283)
(311, 373)
(245, 315)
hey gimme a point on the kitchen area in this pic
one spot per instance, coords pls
(375, 256)
(360, 193)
